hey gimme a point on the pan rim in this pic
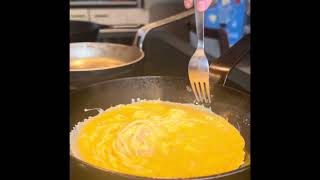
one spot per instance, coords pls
(154, 76)
(108, 171)
(112, 67)
(239, 170)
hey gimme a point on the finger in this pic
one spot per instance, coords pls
(188, 4)
(203, 5)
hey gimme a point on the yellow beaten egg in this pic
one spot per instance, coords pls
(160, 140)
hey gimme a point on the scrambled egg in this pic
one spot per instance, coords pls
(161, 140)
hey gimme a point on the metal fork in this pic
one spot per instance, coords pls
(198, 69)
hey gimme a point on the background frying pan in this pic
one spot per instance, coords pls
(130, 56)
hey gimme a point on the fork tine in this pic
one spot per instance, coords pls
(198, 86)
(207, 89)
(204, 94)
(193, 85)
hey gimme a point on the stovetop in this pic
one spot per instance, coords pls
(167, 55)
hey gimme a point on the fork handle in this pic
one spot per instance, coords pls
(199, 25)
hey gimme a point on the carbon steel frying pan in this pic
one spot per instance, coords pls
(229, 103)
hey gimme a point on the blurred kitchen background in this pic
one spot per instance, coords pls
(226, 22)
(232, 16)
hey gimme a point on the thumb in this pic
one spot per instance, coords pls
(203, 5)
(188, 4)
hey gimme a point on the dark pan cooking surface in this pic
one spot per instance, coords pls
(229, 103)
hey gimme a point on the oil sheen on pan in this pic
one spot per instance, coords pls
(94, 62)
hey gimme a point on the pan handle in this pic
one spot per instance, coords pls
(143, 31)
(220, 70)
